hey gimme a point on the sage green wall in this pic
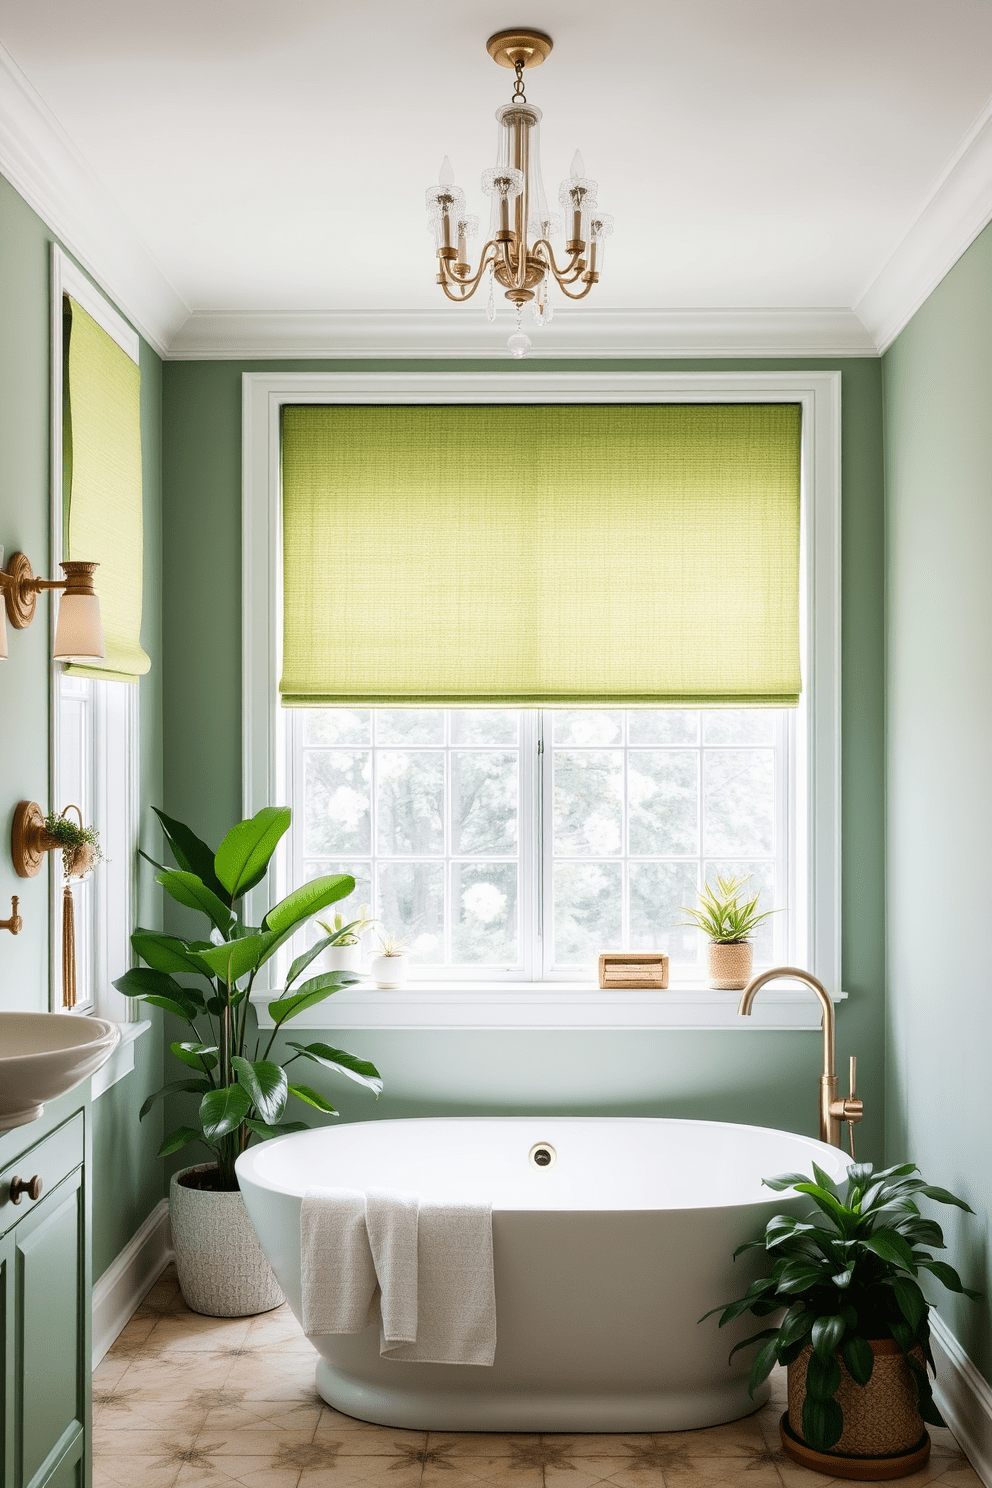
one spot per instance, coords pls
(766, 1078)
(127, 1181)
(938, 451)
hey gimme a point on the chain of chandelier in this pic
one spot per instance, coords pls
(519, 256)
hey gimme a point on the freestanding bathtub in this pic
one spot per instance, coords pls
(610, 1240)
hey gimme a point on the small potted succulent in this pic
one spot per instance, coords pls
(389, 966)
(855, 1333)
(729, 920)
(344, 940)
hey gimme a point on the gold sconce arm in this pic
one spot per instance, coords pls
(21, 586)
(15, 924)
(468, 285)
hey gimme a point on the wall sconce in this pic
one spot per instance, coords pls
(78, 632)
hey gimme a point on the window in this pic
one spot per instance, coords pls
(94, 757)
(520, 843)
(512, 844)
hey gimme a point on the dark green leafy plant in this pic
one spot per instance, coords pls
(846, 1273)
(242, 1094)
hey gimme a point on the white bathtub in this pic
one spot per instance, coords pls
(605, 1261)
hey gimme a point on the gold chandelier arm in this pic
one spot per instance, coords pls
(446, 278)
(582, 294)
(569, 273)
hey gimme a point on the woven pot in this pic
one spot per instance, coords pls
(730, 965)
(221, 1267)
(882, 1418)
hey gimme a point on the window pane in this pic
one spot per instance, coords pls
(484, 802)
(410, 803)
(740, 726)
(411, 904)
(484, 919)
(484, 726)
(330, 726)
(587, 911)
(659, 893)
(409, 726)
(662, 789)
(588, 800)
(666, 726)
(337, 801)
(761, 880)
(739, 800)
(572, 727)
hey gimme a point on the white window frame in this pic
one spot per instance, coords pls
(115, 736)
(437, 1002)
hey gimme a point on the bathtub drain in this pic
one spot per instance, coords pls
(542, 1155)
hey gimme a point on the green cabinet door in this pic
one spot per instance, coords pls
(49, 1339)
(7, 1380)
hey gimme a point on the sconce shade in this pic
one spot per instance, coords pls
(78, 633)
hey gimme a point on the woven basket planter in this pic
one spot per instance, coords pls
(883, 1428)
(221, 1267)
(730, 965)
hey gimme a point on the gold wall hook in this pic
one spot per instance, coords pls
(15, 924)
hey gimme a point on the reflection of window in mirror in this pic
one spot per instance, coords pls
(94, 755)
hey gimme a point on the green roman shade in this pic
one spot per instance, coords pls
(101, 487)
(525, 555)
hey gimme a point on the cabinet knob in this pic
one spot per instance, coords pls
(19, 1187)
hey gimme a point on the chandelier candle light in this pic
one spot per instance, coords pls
(519, 256)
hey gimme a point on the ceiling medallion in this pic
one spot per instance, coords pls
(518, 255)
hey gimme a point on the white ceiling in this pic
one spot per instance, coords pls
(272, 158)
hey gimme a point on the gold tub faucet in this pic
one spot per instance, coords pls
(833, 1111)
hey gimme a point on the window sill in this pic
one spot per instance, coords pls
(552, 1006)
(121, 1061)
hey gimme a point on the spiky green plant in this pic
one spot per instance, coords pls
(846, 1272)
(723, 916)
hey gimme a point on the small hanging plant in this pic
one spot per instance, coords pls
(80, 845)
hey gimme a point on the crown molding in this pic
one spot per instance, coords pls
(955, 210)
(464, 333)
(44, 166)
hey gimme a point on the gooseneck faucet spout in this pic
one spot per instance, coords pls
(833, 1112)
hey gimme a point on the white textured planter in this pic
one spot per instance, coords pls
(221, 1267)
(389, 971)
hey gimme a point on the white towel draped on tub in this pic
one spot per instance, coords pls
(424, 1271)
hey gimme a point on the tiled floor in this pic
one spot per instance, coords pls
(183, 1401)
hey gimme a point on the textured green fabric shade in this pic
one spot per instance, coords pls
(101, 441)
(538, 555)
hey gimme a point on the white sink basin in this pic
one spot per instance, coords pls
(42, 1055)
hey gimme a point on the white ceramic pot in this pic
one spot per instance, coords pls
(221, 1267)
(390, 971)
(343, 958)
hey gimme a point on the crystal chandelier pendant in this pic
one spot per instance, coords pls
(519, 343)
(521, 253)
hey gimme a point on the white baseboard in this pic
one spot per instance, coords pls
(964, 1398)
(122, 1287)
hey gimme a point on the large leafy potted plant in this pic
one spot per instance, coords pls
(243, 1087)
(855, 1332)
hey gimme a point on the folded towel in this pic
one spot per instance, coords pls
(456, 1295)
(337, 1269)
(423, 1271)
(391, 1221)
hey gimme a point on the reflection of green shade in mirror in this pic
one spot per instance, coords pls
(641, 554)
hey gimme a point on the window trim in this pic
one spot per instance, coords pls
(818, 753)
(67, 279)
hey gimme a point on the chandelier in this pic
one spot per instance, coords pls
(518, 255)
